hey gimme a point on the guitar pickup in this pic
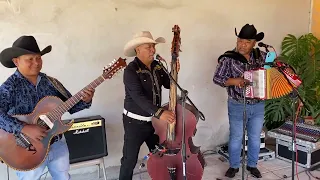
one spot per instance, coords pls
(45, 119)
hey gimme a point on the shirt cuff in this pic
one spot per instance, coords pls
(158, 113)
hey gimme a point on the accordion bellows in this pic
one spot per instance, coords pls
(270, 83)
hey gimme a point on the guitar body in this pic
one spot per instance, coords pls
(22, 159)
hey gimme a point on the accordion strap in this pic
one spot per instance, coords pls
(239, 57)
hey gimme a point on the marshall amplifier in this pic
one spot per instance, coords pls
(86, 139)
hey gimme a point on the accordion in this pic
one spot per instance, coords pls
(269, 83)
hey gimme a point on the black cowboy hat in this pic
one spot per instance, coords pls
(249, 32)
(23, 45)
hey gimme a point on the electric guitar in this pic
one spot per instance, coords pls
(23, 153)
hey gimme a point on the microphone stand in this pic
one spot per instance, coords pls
(293, 95)
(184, 96)
(244, 125)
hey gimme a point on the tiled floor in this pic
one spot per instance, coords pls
(274, 169)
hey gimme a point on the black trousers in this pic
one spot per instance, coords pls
(135, 134)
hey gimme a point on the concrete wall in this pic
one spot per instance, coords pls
(316, 18)
(87, 35)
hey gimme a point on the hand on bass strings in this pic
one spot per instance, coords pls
(168, 116)
(35, 132)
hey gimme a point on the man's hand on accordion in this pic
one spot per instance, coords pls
(240, 82)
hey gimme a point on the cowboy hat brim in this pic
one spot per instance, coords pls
(257, 37)
(8, 54)
(129, 48)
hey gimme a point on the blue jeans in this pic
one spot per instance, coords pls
(57, 162)
(255, 118)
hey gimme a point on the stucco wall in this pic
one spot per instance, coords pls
(87, 35)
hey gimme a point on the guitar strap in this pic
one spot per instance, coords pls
(59, 87)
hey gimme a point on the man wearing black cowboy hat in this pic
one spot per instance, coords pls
(229, 74)
(19, 95)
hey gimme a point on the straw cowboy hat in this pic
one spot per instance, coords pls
(22, 46)
(138, 39)
(249, 32)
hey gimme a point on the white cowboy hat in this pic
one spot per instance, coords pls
(138, 39)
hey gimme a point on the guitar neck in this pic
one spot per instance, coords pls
(67, 105)
(172, 100)
(173, 87)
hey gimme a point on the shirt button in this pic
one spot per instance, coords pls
(154, 83)
(144, 80)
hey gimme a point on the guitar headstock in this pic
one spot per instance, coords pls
(176, 42)
(114, 67)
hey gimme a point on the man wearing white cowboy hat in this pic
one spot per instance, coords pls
(229, 75)
(143, 79)
(21, 92)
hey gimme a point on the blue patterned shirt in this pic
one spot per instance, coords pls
(20, 96)
(230, 68)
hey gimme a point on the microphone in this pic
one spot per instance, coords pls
(158, 57)
(261, 44)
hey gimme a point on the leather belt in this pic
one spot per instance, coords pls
(248, 101)
(136, 116)
(56, 138)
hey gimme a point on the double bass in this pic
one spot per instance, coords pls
(169, 164)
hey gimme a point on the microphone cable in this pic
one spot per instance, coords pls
(8, 172)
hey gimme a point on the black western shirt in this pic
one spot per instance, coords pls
(143, 88)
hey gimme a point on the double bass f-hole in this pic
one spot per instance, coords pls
(181, 159)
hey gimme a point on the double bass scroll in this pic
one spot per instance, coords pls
(181, 158)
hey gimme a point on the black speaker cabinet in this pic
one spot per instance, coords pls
(86, 139)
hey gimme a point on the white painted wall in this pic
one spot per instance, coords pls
(87, 35)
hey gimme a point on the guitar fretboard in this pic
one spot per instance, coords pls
(64, 107)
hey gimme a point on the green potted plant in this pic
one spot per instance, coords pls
(303, 54)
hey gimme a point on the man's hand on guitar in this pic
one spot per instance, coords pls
(87, 95)
(168, 116)
(35, 132)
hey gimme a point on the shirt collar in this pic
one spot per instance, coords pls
(143, 65)
(19, 75)
(251, 55)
